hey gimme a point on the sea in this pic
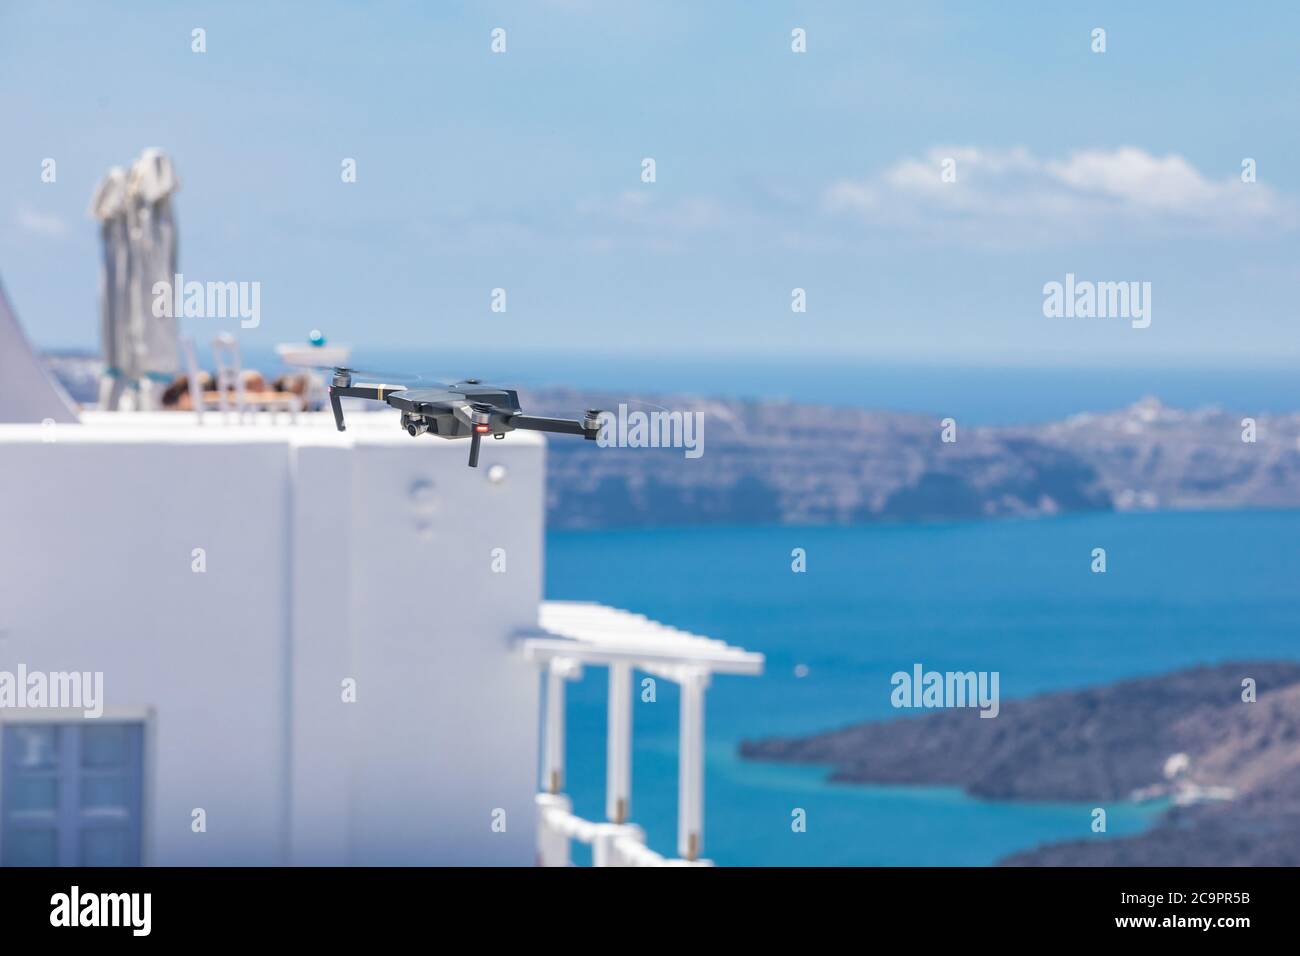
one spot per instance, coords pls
(1014, 596)
(976, 395)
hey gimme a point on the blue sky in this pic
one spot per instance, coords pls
(775, 170)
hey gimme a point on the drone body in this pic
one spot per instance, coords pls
(467, 409)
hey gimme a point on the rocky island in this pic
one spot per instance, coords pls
(1229, 766)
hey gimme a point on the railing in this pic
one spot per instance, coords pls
(612, 844)
(590, 635)
(229, 381)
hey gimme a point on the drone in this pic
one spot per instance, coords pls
(466, 409)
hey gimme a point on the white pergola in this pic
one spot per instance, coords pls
(573, 634)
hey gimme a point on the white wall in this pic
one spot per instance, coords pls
(365, 555)
(30, 393)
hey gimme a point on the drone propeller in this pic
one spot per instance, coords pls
(431, 381)
(347, 372)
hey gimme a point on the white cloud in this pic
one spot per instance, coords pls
(1012, 197)
(638, 207)
(1137, 177)
(639, 219)
(1008, 199)
(634, 219)
(41, 224)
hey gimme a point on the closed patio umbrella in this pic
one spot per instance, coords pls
(152, 227)
(109, 207)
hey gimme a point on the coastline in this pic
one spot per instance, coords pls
(1230, 768)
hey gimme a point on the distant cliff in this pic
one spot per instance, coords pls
(799, 464)
(1185, 736)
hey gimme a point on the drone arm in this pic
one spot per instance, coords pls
(373, 392)
(338, 411)
(561, 426)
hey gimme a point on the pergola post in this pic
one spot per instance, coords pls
(558, 671)
(690, 771)
(618, 745)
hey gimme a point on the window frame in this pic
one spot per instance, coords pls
(144, 717)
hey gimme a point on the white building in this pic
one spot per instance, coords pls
(315, 648)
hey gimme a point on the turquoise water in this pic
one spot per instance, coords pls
(1014, 596)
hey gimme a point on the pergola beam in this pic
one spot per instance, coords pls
(643, 655)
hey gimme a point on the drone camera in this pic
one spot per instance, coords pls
(414, 426)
